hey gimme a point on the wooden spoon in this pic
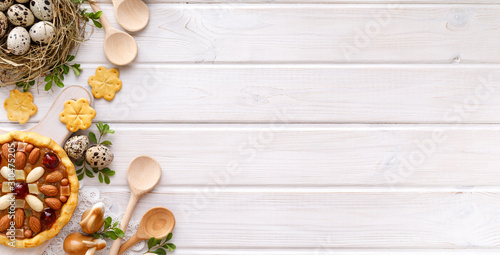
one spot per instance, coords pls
(142, 175)
(157, 222)
(132, 15)
(120, 48)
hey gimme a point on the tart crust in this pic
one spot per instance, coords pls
(66, 212)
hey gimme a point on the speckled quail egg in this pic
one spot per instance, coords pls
(22, 1)
(18, 41)
(5, 4)
(76, 146)
(42, 32)
(99, 156)
(4, 24)
(20, 15)
(42, 9)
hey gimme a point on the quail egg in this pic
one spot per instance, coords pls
(18, 41)
(4, 25)
(5, 4)
(42, 32)
(76, 146)
(20, 15)
(22, 1)
(42, 9)
(99, 156)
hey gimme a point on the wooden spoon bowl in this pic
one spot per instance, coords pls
(132, 15)
(157, 222)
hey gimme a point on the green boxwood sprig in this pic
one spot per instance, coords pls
(110, 230)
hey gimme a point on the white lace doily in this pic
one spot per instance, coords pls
(87, 197)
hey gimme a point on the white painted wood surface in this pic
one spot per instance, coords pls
(274, 141)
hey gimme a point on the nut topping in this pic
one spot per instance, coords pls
(34, 224)
(19, 217)
(20, 161)
(34, 156)
(49, 190)
(54, 177)
(35, 174)
(53, 203)
(35, 203)
(4, 223)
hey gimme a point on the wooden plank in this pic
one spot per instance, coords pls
(262, 33)
(323, 220)
(307, 251)
(304, 93)
(312, 155)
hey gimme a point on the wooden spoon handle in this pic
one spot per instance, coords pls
(104, 21)
(124, 223)
(126, 245)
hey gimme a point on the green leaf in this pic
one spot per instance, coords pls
(106, 142)
(95, 170)
(115, 224)
(169, 236)
(97, 23)
(66, 69)
(92, 137)
(107, 222)
(171, 246)
(96, 235)
(112, 235)
(160, 252)
(48, 85)
(119, 232)
(48, 78)
(70, 58)
(105, 235)
(97, 14)
(111, 173)
(76, 69)
(106, 179)
(151, 243)
(60, 84)
(89, 173)
(80, 177)
(100, 177)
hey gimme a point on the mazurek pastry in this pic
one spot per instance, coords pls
(39, 189)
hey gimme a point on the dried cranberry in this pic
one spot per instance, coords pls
(21, 190)
(48, 217)
(50, 161)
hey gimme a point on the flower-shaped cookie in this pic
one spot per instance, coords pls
(105, 83)
(77, 114)
(20, 106)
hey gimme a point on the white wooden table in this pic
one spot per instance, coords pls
(312, 126)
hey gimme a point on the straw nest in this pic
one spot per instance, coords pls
(42, 59)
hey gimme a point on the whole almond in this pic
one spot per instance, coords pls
(4, 223)
(19, 218)
(53, 203)
(5, 201)
(20, 160)
(35, 174)
(49, 190)
(34, 224)
(54, 177)
(29, 148)
(34, 156)
(5, 150)
(34, 202)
